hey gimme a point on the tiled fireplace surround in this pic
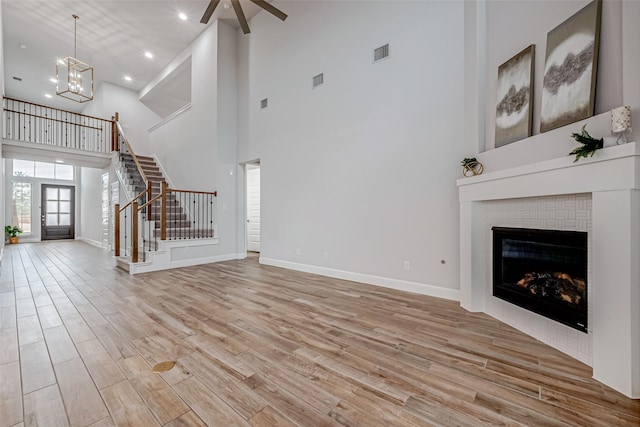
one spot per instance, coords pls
(600, 195)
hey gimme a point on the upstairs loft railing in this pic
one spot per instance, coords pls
(39, 124)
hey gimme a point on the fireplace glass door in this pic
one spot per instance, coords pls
(544, 271)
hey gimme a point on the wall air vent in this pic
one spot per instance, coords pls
(318, 80)
(17, 78)
(381, 53)
(264, 103)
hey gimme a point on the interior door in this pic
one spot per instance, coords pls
(253, 208)
(57, 212)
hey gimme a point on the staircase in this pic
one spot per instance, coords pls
(134, 179)
(187, 217)
(177, 222)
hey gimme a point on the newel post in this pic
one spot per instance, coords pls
(134, 232)
(114, 132)
(116, 240)
(163, 211)
(149, 196)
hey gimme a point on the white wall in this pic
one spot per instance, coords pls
(197, 148)
(187, 145)
(358, 174)
(135, 117)
(90, 199)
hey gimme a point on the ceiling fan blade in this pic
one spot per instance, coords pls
(240, 14)
(207, 13)
(271, 9)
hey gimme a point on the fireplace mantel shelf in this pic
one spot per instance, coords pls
(611, 168)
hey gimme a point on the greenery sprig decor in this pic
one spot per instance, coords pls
(471, 166)
(589, 144)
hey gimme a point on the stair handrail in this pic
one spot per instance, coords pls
(133, 155)
(135, 199)
(134, 226)
(213, 193)
(159, 196)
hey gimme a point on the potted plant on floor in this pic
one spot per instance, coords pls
(12, 232)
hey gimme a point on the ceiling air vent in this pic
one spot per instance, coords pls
(318, 80)
(381, 53)
(264, 103)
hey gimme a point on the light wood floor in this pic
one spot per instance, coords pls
(263, 346)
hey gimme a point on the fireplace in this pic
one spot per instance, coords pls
(544, 271)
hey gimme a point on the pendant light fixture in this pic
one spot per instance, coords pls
(75, 78)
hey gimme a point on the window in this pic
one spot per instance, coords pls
(45, 170)
(21, 209)
(22, 168)
(29, 168)
(64, 172)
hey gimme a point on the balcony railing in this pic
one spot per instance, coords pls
(171, 215)
(39, 124)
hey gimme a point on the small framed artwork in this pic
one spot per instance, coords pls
(515, 94)
(570, 70)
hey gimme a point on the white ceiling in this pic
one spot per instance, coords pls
(112, 37)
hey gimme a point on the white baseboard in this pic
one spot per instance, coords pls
(146, 267)
(89, 241)
(401, 285)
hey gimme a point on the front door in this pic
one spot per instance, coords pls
(57, 212)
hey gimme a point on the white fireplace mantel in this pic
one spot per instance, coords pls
(612, 177)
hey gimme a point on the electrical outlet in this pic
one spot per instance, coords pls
(407, 266)
(298, 252)
(325, 255)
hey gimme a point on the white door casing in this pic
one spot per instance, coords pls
(253, 208)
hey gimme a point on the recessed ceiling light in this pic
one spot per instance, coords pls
(128, 78)
(182, 16)
(53, 80)
(148, 54)
(60, 61)
(59, 161)
(47, 95)
(22, 46)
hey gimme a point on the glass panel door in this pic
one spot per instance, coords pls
(57, 212)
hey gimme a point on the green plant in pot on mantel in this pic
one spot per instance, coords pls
(12, 232)
(589, 144)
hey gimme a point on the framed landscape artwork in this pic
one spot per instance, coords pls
(570, 70)
(515, 95)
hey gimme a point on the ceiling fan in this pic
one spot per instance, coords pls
(242, 20)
